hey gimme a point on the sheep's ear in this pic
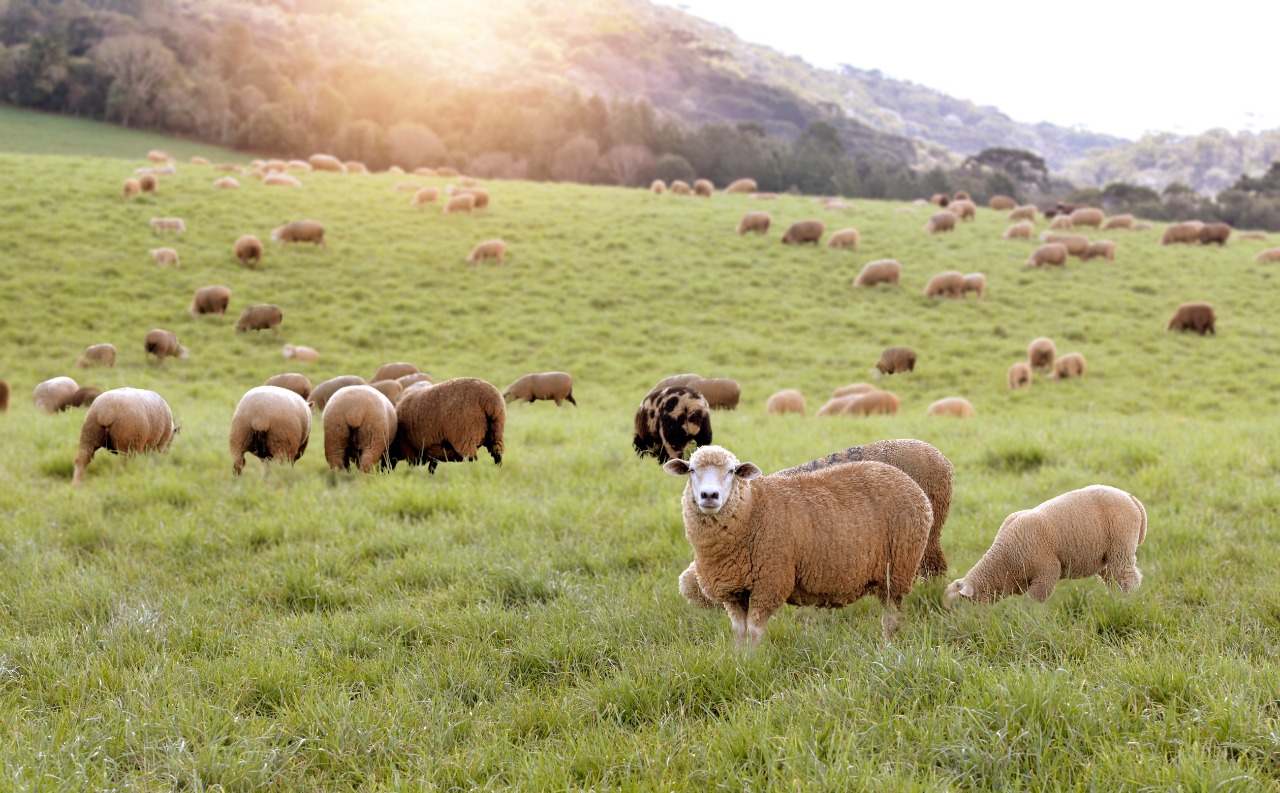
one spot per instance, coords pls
(677, 467)
(967, 590)
(747, 471)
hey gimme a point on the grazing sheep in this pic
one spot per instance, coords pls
(703, 188)
(163, 225)
(1019, 231)
(802, 232)
(722, 393)
(880, 271)
(1060, 222)
(426, 195)
(299, 384)
(754, 221)
(323, 392)
(1215, 233)
(1269, 255)
(54, 395)
(391, 389)
(424, 171)
(1053, 253)
(1076, 244)
(131, 188)
(1251, 235)
(658, 187)
(681, 187)
(227, 183)
(844, 238)
(464, 202)
(821, 538)
(786, 401)
(226, 166)
(355, 166)
(272, 423)
(940, 222)
(1019, 376)
(940, 199)
(1087, 216)
(1002, 203)
(1095, 530)
(872, 403)
(851, 389)
(394, 371)
(837, 406)
(1185, 233)
(945, 284)
(298, 352)
(414, 378)
(262, 316)
(1041, 353)
(1024, 212)
(1104, 249)
(359, 426)
(897, 359)
(162, 344)
(1198, 317)
(447, 172)
(124, 421)
(449, 422)
(281, 180)
(961, 195)
(1118, 222)
(149, 183)
(1068, 366)
(741, 186)
(963, 208)
(326, 162)
(975, 282)
(675, 380)
(480, 196)
(249, 250)
(84, 396)
(98, 355)
(159, 155)
(489, 249)
(165, 257)
(556, 386)
(668, 419)
(4, 396)
(298, 165)
(959, 407)
(300, 231)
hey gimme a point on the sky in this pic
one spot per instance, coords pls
(1122, 67)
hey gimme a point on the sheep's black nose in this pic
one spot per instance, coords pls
(710, 495)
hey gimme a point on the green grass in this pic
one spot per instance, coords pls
(168, 625)
(32, 132)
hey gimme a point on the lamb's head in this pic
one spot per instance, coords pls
(711, 471)
(955, 591)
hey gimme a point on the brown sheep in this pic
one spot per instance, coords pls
(424, 171)
(940, 222)
(414, 378)
(1068, 366)
(148, 183)
(940, 199)
(464, 202)
(802, 232)
(124, 421)
(298, 352)
(165, 257)
(1024, 212)
(281, 180)
(426, 195)
(299, 384)
(786, 401)
(870, 403)
(837, 406)
(675, 380)
(210, 300)
(300, 231)
(851, 389)
(668, 420)
(958, 407)
(1060, 222)
(407, 187)
(721, 393)
(880, 271)
(1184, 233)
(355, 166)
(681, 187)
(449, 422)
(131, 188)
(557, 386)
(1041, 353)
(248, 249)
(1053, 253)
(658, 187)
(227, 183)
(844, 238)
(754, 221)
(359, 426)
(394, 371)
(272, 423)
(1215, 233)
(480, 197)
(1019, 376)
(1102, 249)
(1019, 231)
(84, 396)
(162, 344)
(945, 284)
(489, 249)
(323, 392)
(1087, 216)
(447, 172)
(703, 188)
(897, 359)
(975, 282)
(964, 209)
(54, 395)
(262, 316)
(1002, 203)
(1269, 255)
(961, 195)
(98, 355)
(4, 396)
(1076, 244)
(742, 186)
(1118, 222)
(391, 389)
(159, 155)
(1198, 317)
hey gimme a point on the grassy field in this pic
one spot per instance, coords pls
(168, 625)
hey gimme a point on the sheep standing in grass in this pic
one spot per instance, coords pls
(851, 389)
(131, 188)
(167, 225)
(1053, 253)
(227, 183)
(1268, 255)
(945, 284)
(1095, 530)
(1019, 376)
(299, 384)
(1060, 222)
(681, 187)
(326, 162)
(299, 352)
(300, 231)
(391, 389)
(803, 231)
(658, 187)
(449, 422)
(149, 183)
(744, 185)
(84, 396)
(281, 180)
(1002, 203)
(489, 249)
(1119, 222)
(557, 386)
(703, 188)
(98, 355)
(394, 371)
(249, 249)
(1041, 353)
(165, 257)
(757, 222)
(1102, 249)
(272, 423)
(872, 403)
(668, 420)
(963, 209)
(162, 344)
(1019, 231)
(1076, 244)
(1087, 216)
(897, 359)
(880, 271)
(975, 282)
(323, 392)
(359, 427)
(1198, 317)
(844, 238)
(262, 316)
(479, 197)
(721, 393)
(124, 421)
(1068, 366)
(1024, 212)
(786, 401)
(940, 222)
(1212, 233)
(210, 300)
(427, 195)
(823, 538)
(54, 395)
(460, 203)
(1185, 233)
(959, 407)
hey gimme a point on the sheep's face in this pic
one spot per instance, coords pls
(956, 591)
(711, 471)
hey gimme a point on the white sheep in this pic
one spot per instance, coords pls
(359, 427)
(124, 420)
(273, 423)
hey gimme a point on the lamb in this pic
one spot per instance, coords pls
(844, 238)
(1060, 222)
(1019, 376)
(249, 249)
(322, 393)
(668, 419)
(326, 162)
(4, 396)
(359, 427)
(1215, 233)
(1024, 212)
(722, 393)
(786, 401)
(1268, 255)
(556, 386)
(658, 187)
(754, 221)
(681, 187)
(1095, 530)
(227, 183)
(1119, 222)
(299, 352)
(945, 284)
(1087, 216)
(299, 384)
(703, 188)
(449, 422)
(394, 371)
(1076, 244)
(959, 407)
(489, 249)
(741, 186)
(149, 183)
(1053, 253)
(260, 317)
(1185, 233)
(675, 380)
(823, 538)
(163, 225)
(802, 232)
(1068, 366)
(426, 195)
(131, 188)
(162, 344)
(1019, 231)
(963, 208)
(897, 359)
(975, 282)
(1198, 317)
(300, 231)
(98, 355)
(124, 421)
(851, 389)
(165, 257)
(391, 389)
(1002, 203)
(940, 222)
(880, 271)
(1041, 353)
(54, 395)
(1105, 249)
(271, 422)
(460, 203)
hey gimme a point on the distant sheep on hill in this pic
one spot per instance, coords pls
(489, 249)
(1119, 222)
(165, 225)
(54, 395)
(1019, 231)
(162, 344)
(975, 282)
(1087, 216)
(299, 384)
(1184, 233)
(1053, 253)
(757, 222)
(1024, 212)
(297, 352)
(681, 187)
(940, 222)
(741, 186)
(958, 407)
(210, 300)
(1102, 249)
(149, 183)
(1060, 222)
(897, 359)
(721, 393)
(786, 401)
(249, 249)
(1002, 203)
(1019, 375)
(1198, 317)
(131, 188)
(703, 188)
(844, 238)
(165, 257)
(556, 386)
(658, 187)
(1269, 255)
(263, 316)
(1215, 233)
(945, 284)
(459, 203)
(227, 183)
(1068, 366)
(300, 231)
(426, 195)
(98, 355)
(880, 271)
(1041, 353)
(964, 209)
(802, 232)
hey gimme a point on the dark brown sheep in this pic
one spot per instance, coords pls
(803, 231)
(668, 420)
(1041, 353)
(941, 221)
(1215, 233)
(323, 392)
(248, 250)
(260, 317)
(210, 300)
(1198, 317)
(162, 344)
(897, 359)
(449, 422)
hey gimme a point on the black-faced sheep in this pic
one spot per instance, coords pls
(757, 222)
(124, 421)
(394, 371)
(668, 420)
(880, 271)
(803, 231)
(1212, 233)
(323, 392)
(162, 344)
(557, 386)
(958, 407)
(299, 352)
(1068, 366)
(823, 538)
(1002, 203)
(1095, 530)
(786, 401)
(721, 393)
(262, 316)
(210, 300)
(1019, 231)
(359, 427)
(975, 282)
(272, 423)
(844, 238)
(1041, 353)
(940, 222)
(1019, 375)
(300, 231)
(449, 422)
(98, 355)
(249, 249)
(945, 284)
(292, 381)
(1053, 253)
(897, 359)
(489, 249)
(1198, 317)
(1184, 233)
(54, 395)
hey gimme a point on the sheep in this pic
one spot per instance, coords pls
(959, 407)
(961, 195)
(802, 232)
(1002, 203)
(1198, 317)
(897, 359)
(703, 188)
(681, 187)
(658, 187)
(1095, 530)
(1041, 353)
(744, 185)
(163, 225)
(1118, 222)
(426, 195)
(1053, 253)
(675, 380)
(165, 257)
(851, 389)
(1251, 235)
(149, 183)
(326, 162)
(84, 396)
(975, 282)
(298, 165)
(124, 421)
(1068, 366)
(98, 355)
(394, 371)
(940, 199)
(786, 401)
(281, 180)
(754, 221)
(299, 384)
(1019, 231)
(1087, 216)
(542, 385)
(414, 378)
(963, 209)
(1185, 233)
(227, 183)
(460, 203)
(1142, 225)
(323, 392)
(872, 403)
(130, 188)
(408, 187)
(822, 538)
(1215, 233)
(159, 155)
(945, 284)
(226, 166)
(1060, 222)
(837, 406)
(200, 161)
(261, 316)
(162, 344)
(355, 166)
(1076, 244)
(1105, 249)
(359, 426)
(1019, 376)
(668, 419)
(1024, 212)
(880, 271)
(489, 249)
(4, 396)
(940, 222)
(480, 196)
(844, 238)
(54, 395)
(300, 231)
(722, 393)
(424, 171)
(272, 423)
(249, 249)
(449, 422)
(391, 389)
(1268, 255)
(298, 352)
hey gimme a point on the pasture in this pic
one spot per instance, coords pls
(169, 625)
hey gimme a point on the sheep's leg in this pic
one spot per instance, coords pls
(738, 618)
(758, 614)
(82, 461)
(891, 616)
(237, 463)
(1126, 575)
(1045, 579)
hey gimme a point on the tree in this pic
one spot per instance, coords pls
(365, 141)
(269, 130)
(575, 161)
(39, 72)
(670, 167)
(629, 164)
(412, 145)
(138, 66)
